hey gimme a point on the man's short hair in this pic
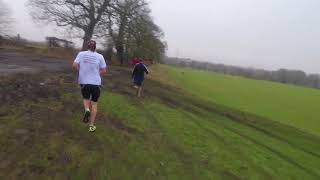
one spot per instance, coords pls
(92, 45)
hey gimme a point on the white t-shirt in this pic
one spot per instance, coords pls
(90, 65)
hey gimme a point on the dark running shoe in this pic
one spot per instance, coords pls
(86, 117)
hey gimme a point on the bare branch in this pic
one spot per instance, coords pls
(85, 15)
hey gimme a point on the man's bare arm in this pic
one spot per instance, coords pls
(76, 66)
(103, 71)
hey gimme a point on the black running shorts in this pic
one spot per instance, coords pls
(138, 83)
(138, 80)
(90, 92)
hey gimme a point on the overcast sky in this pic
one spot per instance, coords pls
(266, 34)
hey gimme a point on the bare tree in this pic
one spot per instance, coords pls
(122, 12)
(84, 15)
(130, 26)
(145, 37)
(5, 18)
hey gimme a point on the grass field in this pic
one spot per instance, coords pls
(187, 137)
(292, 105)
(187, 142)
(175, 132)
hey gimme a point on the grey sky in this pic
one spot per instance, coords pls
(260, 33)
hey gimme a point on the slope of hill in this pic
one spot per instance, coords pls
(171, 133)
(292, 105)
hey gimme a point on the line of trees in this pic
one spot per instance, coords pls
(286, 76)
(126, 25)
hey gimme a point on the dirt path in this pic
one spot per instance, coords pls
(40, 99)
(13, 61)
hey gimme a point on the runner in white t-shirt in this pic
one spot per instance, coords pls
(91, 65)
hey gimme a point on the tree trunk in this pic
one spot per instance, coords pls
(120, 52)
(87, 37)
(120, 39)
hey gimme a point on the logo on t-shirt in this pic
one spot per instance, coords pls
(89, 59)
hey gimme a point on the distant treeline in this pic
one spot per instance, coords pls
(286, 76)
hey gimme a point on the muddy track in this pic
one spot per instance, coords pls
(117, 124)
(254, 141)
(40, 96)
(13, 62)
(180, 152)
(260, 124)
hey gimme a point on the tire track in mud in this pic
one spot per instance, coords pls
(222, 139)
(184, 156)
(117, 124)
(246, 119)
(177, 103)
(253, 122)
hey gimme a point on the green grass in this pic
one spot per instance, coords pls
(180, 144)
(292, 105)
(187, 140)
(168, 134)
